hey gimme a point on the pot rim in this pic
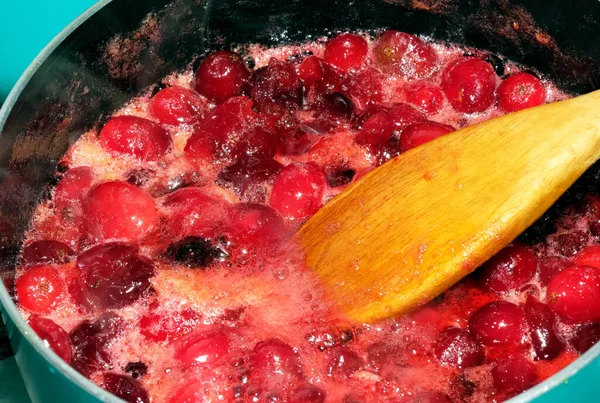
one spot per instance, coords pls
(7, 304)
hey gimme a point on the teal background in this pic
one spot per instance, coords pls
(26, 27)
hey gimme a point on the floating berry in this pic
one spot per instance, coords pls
(39, 288)
(53, 336)
(405, 54)
(520, 91)
(177, 105)
(221, 75)
(420, 133)
(135, 137)
(574, 293)
(346, 51)
(509, 270)
(469, 85)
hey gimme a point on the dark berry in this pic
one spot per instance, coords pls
(514, 374)
(196, 252)
(308, 393)
(277, 82)
(136, 369)
(509, 270)
(540, 318)
(456, 347)
(550, 267)
(585, 337)
(569, 243)
(498, 322)
(125, 387)
(46, 251)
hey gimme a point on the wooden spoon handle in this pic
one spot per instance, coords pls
(415, 226)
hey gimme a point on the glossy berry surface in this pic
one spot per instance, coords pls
(346, 51)
(72, 186)
(589, 256)
(272, 358)
(125, 387)
(541, 321)
(574, 293)
(514, 374)
(277, 82)
(53, 336)
(408, 55)
(457, 348)
(585, 337)
(509, 270)
(520, 91)
(169, 327)
(421, 133)
(39, 288)
(498, 323)
(221, 75)
(135, 137)
(206, 349)
(177, 105)
(426, 97)
(469, 85)
(46, 251)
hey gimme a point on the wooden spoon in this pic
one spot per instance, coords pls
(415, 226)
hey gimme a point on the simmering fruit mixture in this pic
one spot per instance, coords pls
(162, 266)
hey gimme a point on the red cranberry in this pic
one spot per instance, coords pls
(277, 82)
(191, 211)
(428, 98)
(375, 131)
(39, 288)
(204, 349)
(541, 319)
(550, 267)
(136, 137)
(90, 342)
(404, 115)
(456, 347)
(311, 71)
(520, 91)
(569, 243)
(249, 171)
(509, 270)
(53, 336)
(574, 293)
(256, 143)
(46, 251)
(406, 54)
(364, 88)
(469, 85)
(298, 191)
(273, 357)
(192, 392)
(72, 186)
(221, 75)
(225, 125)
(112, 275)
(498, 322)
(514, 374)
(308, 394)
(346, 51)
(421, 133)
(589, 256)
(429, 397)
(254, 224)
(169, 327)
(585, 337)
(344, 363)
(176, 105)
(125, 387)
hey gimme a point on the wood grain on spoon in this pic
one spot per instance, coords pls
(415, 226)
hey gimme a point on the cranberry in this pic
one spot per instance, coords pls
(298, 191)
(429, 397)
(136, 137)
(91, 341)
(520, 91)
(39, 288)
(550, 267)
(364, 88)
(375, 131)
(469, 85)
(176, 105)
(574, 293)
(196, 252)
(297, 140)
(46, 251)
(125, 387)
(456, 347)
(514, 374)
(221, 75)
(405, 54)
(334, 108)
(249, 171)
(192, 211)
(569, 243)
(344, 363)
(498, 322)
(428, 98)
(112, 275)
(192, 392)
(225, 125)
(53, 336)
(308, 393)
(72, 186)
(136, 369)
(256, 143)
(273, 357)
(540, 318)
(310, 71)
(585, 337)
(346, 51)
(404, 115)
(255, 224)
(421, 133)
(204, 349)
(509, 270)
(589, 256)
(169, 327)
(277, 82)
(118, 210)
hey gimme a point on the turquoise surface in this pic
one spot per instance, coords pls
(26, 27)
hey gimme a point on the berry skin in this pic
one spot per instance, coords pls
(206, 349)
(39, 288)
(135, 137)
(520, 91)
(220, 76)
(46, 251)
(346, 52)
(509, 270)
(171, 327)
(72, 186)
(421, 133)
(585, 337)
(118, 210)
(550, 267)
(125, 387)
(498, 322)
(53, 336)
(277, 82)
(273, 358)
(574, 293)
(514, 374)
(311, 71)
(469, 85)
(540, 318)
(298, 192)
(456, 347)
(177, 105)
(308, 394)
(590, 256)
(428, 98)
(405, 54)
